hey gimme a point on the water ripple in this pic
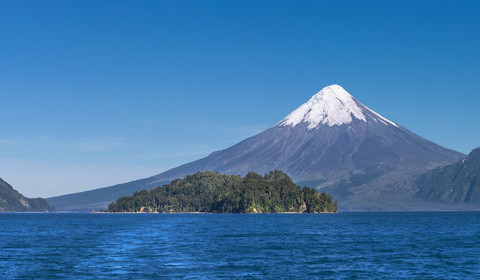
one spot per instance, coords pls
(189, 246)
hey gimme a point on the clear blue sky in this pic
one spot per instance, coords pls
(94, 93)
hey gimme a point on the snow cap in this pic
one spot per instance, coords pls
(331, 106)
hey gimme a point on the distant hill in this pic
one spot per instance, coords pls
(212, 192)
(332, 143)
(12, 201)
(455, 183)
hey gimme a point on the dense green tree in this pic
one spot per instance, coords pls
(216, 193)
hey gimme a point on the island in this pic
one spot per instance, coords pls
(212, 192)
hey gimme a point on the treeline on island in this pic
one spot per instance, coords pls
(211, 192)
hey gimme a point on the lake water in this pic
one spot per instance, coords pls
(232, 246)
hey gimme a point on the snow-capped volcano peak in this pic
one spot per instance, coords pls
(331, 106)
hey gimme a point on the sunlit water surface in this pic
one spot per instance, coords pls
(232, 246)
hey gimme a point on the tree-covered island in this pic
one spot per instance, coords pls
(211, 192)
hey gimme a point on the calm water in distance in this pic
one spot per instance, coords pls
(232, 246)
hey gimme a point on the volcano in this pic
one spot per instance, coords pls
(332, 142)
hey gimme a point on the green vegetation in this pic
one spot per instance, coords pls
(212, 192)
(456, 183)
(13, 201)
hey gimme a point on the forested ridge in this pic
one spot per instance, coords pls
(212, 192)
(455, 183)
(13, 201)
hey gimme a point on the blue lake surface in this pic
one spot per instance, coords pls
(231, 246)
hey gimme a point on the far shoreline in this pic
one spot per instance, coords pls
(100, 212)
